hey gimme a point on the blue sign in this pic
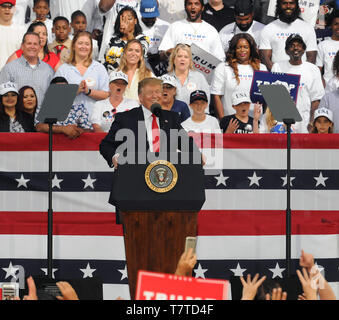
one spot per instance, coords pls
(290, 81)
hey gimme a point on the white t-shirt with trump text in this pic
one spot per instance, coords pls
(202, 34)
(327, 50)
(273, 37)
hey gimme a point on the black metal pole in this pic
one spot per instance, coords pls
(288, 123)
(50, 210)
(288, 204)
(50, 122)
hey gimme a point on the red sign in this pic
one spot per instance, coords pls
(161, 286)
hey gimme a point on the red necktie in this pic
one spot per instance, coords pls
(59, 49)
(155, 134)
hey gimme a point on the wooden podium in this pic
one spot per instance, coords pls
(156, 224)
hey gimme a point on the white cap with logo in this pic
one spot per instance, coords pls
(167, 79)
(118, 75)
(323, 112)
(240, 97)
(8, 87)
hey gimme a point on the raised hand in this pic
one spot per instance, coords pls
(232, 126)
(67, 291)
(186, 263)
(309, 284)
(306, 260)
(277, 294)
(257, 111)
(250, 287)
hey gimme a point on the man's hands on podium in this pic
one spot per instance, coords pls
(186, 263)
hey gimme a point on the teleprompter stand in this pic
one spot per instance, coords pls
(55, 107)
(157, 224)
(284, 110)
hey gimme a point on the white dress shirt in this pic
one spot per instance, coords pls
(148, 124)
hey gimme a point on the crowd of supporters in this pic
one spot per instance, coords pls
(107, 46)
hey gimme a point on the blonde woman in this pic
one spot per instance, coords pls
(133, 64)
(187, 79)
(81, 69)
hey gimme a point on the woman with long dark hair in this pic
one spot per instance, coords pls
(11, 118)
(44, 55)
(126, 28)
(242, 58)
(27, 100)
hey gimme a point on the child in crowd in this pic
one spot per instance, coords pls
(169, 101)
(323, 121)
(41, 10)
(270, 125)
(200, 121)
(61, 46)
(241, 122)
(79, 23)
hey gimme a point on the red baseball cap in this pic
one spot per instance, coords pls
(12, 2)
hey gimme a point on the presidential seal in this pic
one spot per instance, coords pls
(161, 176)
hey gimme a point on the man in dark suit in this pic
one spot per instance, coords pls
(139, 131)
(142, 131)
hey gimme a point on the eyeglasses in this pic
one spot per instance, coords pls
(6, 6)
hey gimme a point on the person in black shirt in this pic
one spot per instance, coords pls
(241, 122)
(217, 14)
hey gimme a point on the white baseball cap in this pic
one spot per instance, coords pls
(240, 97)
(116, 75)
(323, 112)
(8, 87)
(167, 79)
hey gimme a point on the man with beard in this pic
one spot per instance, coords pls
(243, 12)
(274, 35)
(193, 30)
(155, 29)
(311, 88)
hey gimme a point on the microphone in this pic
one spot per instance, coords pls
(156, 109)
